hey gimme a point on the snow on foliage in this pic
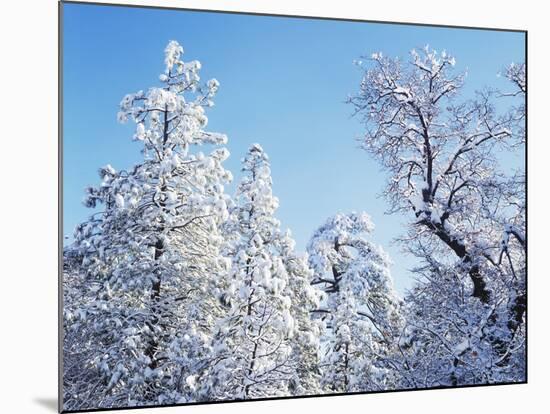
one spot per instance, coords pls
(266, 343)
(137, 314)
(361, 311)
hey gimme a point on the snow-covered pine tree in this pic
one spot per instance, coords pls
(305, 299)
(259, 348)
(361, 311)
(149, 254)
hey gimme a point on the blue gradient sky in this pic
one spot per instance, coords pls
(283, 84)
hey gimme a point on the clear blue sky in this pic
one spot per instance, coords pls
(283, 84)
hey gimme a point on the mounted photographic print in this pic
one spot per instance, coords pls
(259, 206)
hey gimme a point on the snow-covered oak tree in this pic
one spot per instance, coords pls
(449, 338)
(266, 344)
(467, 217)
(147, 257)
(361, 311)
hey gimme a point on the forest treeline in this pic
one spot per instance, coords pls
(175, 291)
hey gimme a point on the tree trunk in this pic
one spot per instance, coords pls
(480, 290)
(155, 310)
